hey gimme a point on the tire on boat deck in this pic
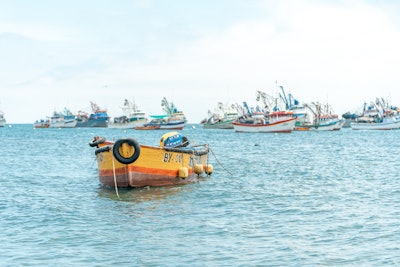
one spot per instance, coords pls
(130, 141)
(96, 141)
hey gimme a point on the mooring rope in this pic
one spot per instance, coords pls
(93, 162)
(219, 162)
(208, 162)
(115, 177)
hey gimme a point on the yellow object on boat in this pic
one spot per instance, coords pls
(198, 168)
(166, 138)
(209, 169)
(183, 172)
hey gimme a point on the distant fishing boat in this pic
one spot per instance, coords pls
(148, 127)
(221, 118)
(378, 115)
(327, 123)
(63, 119)
(2, 119)
(163, 122)
(268, 119)
(98, 117)
(349, 118)
(126, 163)
(389, 123)
(172, 120)
(321, 119)
(133, 117)
(221, 123)
(275, 122)
(283, 101)
(41, 124)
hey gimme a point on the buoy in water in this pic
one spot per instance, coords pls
(183, 172)
(198, 168)
(209, 169)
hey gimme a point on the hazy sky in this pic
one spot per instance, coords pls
(56, 54)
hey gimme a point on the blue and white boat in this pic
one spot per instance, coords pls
(133, 117)
(172, 120)
(98, 117)
(163, 122)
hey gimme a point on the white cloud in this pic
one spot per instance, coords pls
(39, 32)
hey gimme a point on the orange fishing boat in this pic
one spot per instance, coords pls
(41, 124)
(147, 127)
(126, 163)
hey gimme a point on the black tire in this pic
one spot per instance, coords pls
(131, 142)
(102, 149)
(96, 141)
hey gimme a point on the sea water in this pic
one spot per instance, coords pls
(298, 199)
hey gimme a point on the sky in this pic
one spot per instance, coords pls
(56, 54)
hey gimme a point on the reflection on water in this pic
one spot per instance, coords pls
(139, 194)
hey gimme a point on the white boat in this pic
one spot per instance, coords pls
(386, 124)
(332, 125)
(320, 119)
(340, 124)
(63, 120)
(133, 117)
(276, 122)
(378, 115)
(286, 103)
(2, 119)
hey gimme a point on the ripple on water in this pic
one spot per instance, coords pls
(293, 199)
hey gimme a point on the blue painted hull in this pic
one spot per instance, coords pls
(92, 123)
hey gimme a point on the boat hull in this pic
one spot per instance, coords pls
(284, 126)
(301, 128)
(164, 126)
(44, 125)
(63, 124)
(126, 125)
(155, 166)
(375, 125)
(154, 127)
(329, 126)
(172, 127)
(92, 123)
(219, 125)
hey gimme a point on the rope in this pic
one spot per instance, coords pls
(95, 158)
(220, 162)
(208, 162)
(115, 177)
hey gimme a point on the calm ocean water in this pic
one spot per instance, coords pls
(299, 199)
